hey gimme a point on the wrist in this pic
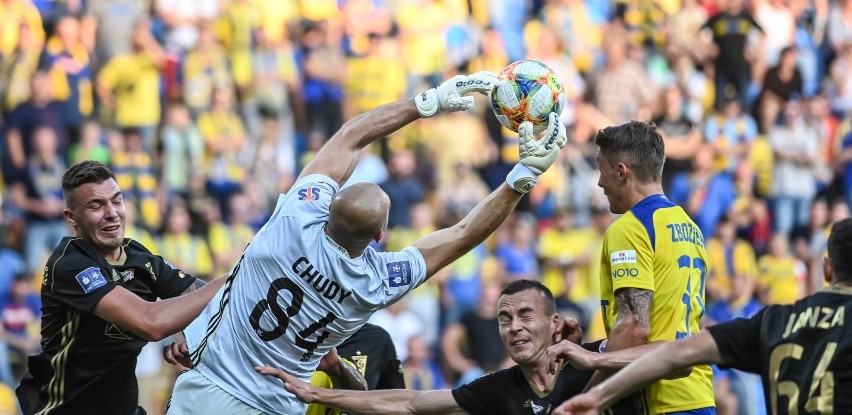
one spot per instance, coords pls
(522, 178)
(427, 103)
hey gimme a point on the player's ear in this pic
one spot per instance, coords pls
(69, 217)
(379, 235)
(827, 270)
(622, 170)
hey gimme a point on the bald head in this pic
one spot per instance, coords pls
(357, 214)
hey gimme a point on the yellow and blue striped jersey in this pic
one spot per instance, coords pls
(656, 246)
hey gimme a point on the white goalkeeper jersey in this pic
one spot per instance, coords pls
(293, 296)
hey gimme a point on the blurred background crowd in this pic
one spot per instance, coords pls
(207, 109)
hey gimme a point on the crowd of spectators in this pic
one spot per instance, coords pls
(206, 110)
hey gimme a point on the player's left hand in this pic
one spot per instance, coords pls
(568, 329)
(450, 95)
(303, 390)
(177, 353)
(583, 404)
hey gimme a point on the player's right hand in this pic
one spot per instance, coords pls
(178, 354)
(450, 95)
(574, 353)
(303, 390)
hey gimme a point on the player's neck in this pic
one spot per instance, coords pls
(538, 374)
(640, 191)
(353, 253)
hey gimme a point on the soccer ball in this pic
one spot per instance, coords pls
(527, 90)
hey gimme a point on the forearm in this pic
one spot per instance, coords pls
(617, 359)
(379, 402)
(669, 358)
(488, 215)
(447, 245)
(345, 376)
(366, 128)
(170, 316)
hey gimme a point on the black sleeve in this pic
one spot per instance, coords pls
(391, 376)
(171, 281)
(485, 395)
(739, 342)
(78, 282)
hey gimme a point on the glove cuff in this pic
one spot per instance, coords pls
(522, 178)
(427, 103)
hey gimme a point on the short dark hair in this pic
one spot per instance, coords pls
(839, 246)
(637, 144)
(517, 286)
(84, 172)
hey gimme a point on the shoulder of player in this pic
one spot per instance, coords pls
(134, 246)
(71, 254)
(627, 226)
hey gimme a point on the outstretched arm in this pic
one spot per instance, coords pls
(441, 248)
(380, 402)
(154, 321)
(338, 157)
(614, 360)
(662, 361)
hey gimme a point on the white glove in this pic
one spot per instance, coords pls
(449, 96)
(536, 156)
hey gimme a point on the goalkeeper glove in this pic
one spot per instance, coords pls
(536, 156)
(449, 96)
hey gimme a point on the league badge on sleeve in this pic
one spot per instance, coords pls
(399, 273)
(90, 279)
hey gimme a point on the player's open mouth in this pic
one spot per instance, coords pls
(111, 229)
(519, 342)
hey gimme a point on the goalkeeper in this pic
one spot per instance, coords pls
(309, 279)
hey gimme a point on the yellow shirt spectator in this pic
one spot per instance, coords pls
(14, 14)
(319, 10)
(8, 401)
(570, 245)
(187, 252)
(135, 82)
(782, 279)
(373, 81)
(203, 71)
(224, 238)
(724, 261)
(134, 172)
(224, 135)
(274, 15)
(422, 26)
(235, 27)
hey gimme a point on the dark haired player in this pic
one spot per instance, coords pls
(802, 350)
(528, 322)
(100, 306)
(653, 264)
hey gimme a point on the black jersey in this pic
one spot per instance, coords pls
(371, 350)
(508, 392)
(87, 365)
(802, 351)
